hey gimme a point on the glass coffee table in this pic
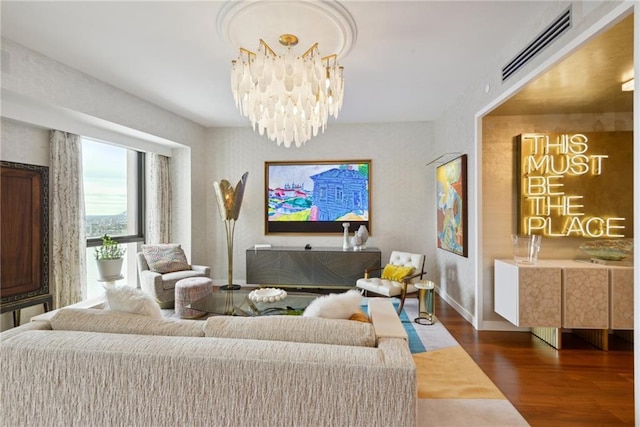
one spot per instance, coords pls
(238, 303)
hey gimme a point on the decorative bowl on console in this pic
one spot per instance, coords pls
(610, 250)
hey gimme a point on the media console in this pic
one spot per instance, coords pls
(309, 268)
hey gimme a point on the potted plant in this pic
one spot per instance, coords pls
(109, 259)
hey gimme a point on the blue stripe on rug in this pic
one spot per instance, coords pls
(415, 343)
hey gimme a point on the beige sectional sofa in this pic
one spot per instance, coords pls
(90, 367)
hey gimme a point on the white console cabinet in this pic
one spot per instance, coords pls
(550, 295)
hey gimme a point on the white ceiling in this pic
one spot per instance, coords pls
(408, 60)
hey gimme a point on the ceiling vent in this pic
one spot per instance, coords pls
(544, 39)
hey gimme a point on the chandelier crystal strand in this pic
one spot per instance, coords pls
(287, 97)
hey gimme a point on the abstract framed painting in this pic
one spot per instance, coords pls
(451, 194)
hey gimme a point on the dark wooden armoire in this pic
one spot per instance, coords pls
(24, 237)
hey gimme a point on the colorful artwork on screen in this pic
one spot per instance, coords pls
(305, 192)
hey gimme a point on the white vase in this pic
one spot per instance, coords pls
(109, 269)
(345, 236)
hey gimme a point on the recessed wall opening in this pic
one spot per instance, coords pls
(581, 93)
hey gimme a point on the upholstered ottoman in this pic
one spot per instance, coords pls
(188, 291)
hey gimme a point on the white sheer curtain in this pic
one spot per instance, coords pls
(158, 190)
(68, 239)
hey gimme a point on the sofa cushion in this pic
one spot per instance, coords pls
(95, 320)
(128, 299)
(292, 329)
(165, 257)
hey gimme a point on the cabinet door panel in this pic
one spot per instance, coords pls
(621, 298)
(24, 227)
(540, 297)
(586, 298)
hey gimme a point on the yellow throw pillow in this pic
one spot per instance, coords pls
(396, 272)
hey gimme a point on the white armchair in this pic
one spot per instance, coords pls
(400, 285)
(162, 286)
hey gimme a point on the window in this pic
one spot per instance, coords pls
(113, 179)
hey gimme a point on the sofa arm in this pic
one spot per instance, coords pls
(203, 269)
(31, 326)
(385, 319)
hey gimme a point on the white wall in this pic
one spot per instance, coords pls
(37, 77)
(402, 197)
(24, 143)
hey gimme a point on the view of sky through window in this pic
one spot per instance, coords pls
(105, 178)
(105, 188)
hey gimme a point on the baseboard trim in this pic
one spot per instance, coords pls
(457, 307)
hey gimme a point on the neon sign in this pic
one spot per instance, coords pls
(561, 183)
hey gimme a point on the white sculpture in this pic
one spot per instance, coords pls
(345, 237)
(363, 233)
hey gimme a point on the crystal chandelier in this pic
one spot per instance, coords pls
(289, 97)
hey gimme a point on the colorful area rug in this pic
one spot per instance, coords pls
(452, 389)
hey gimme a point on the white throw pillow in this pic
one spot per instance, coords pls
(335, 306)
(132, 300)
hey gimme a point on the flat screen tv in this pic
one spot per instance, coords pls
(317, 197)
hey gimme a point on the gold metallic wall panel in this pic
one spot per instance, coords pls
(552, 336)
(626, 335)
(596, 337)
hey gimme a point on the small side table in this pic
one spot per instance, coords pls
(426, 302)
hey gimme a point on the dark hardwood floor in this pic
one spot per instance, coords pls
(579, 385)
